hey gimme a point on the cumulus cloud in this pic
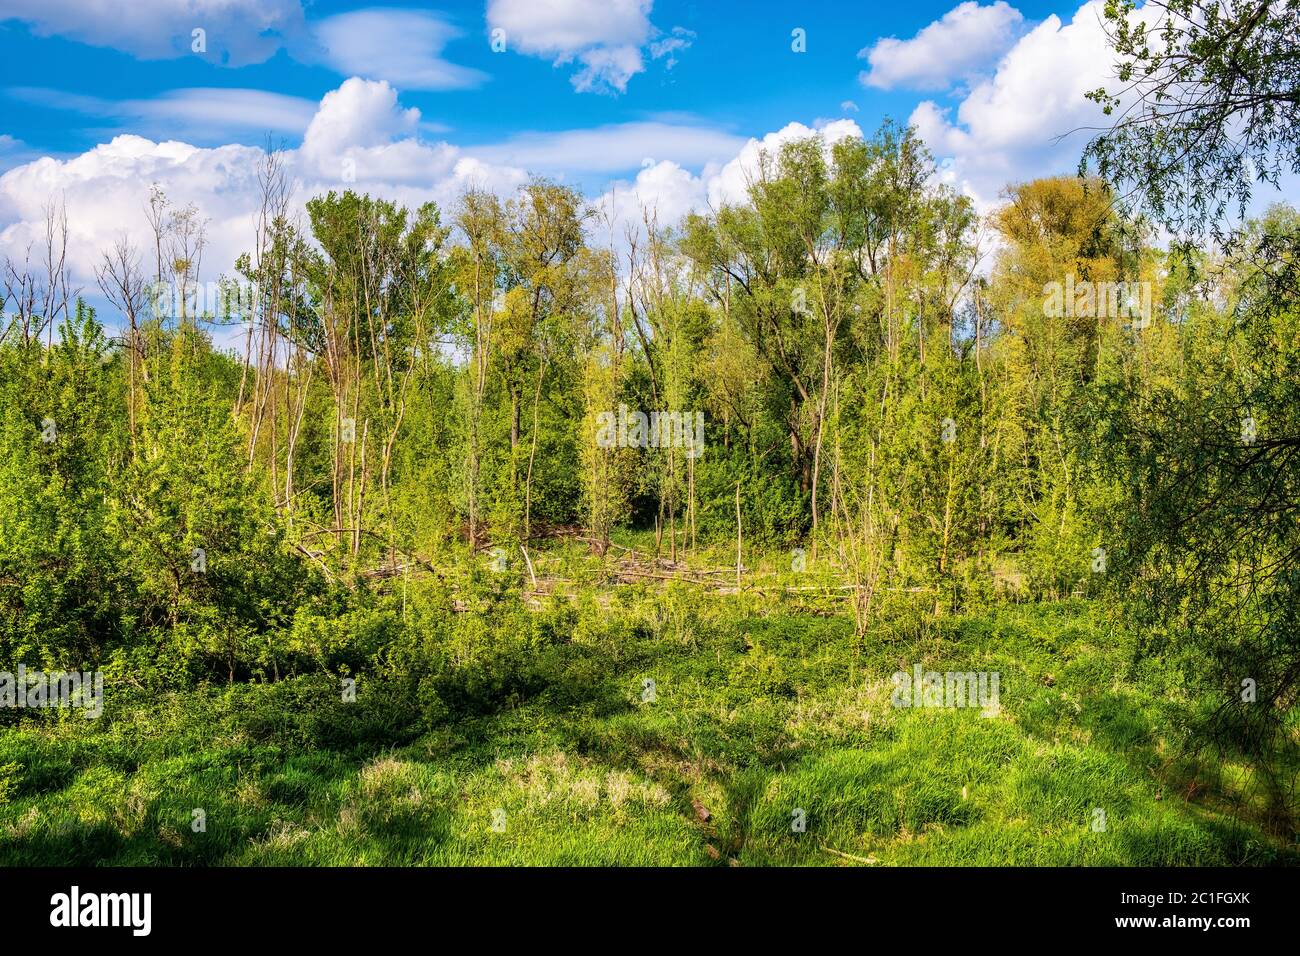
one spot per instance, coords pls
(1031, 118)
(966, 39)
(664, 189)
(401, 46)
(105, 189)
(360, 114)
(605, 37)
(1013, 125)
(236, 32)
(731, 183)
(669, 191)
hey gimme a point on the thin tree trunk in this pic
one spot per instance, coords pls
(532, 453)
(738, 542)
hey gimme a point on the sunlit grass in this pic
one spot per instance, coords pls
(770, 739)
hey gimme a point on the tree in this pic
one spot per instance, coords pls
(1203, 461)
(1207, 103)
(62, 586)
(381, 291)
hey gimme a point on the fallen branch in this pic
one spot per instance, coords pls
(317, 558)
(868, 860)
(529, 562)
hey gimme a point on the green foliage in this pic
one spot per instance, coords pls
(61, 580)
(754, 716)
(1205, 515)
(1206, 105)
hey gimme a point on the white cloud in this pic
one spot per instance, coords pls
(606, 37)
(359, 114)
(607, 68)
(664, 188)
(731, 183)
(197, 113)
(562, 27)
(401, 46)
(1008, 128)
(105, 191)
(361, 137)
(237, 32)
(1032, 118)
(967, 38)
(670, 191)
(106, 188)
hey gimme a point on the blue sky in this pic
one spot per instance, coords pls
(739, 74)
(661, 104)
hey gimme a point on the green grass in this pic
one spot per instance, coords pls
(758, 712)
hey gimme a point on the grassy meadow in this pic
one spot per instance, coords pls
(536, 745)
